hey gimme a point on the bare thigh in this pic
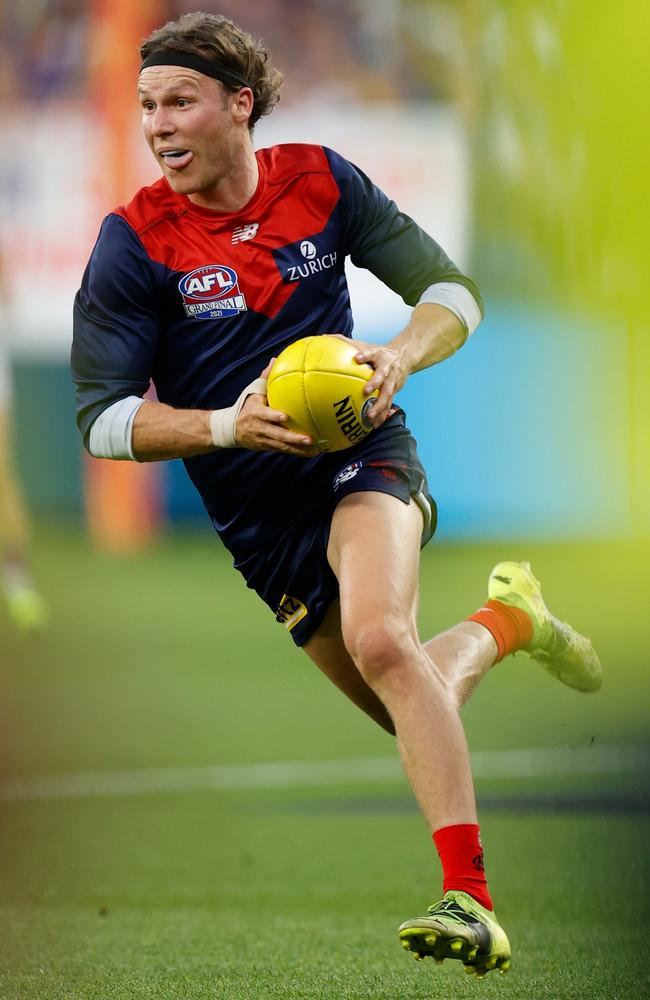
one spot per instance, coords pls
(327, 650)
(374, 550)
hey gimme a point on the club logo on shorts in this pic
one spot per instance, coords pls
(349, 472)
(290, 611)
(211, 292)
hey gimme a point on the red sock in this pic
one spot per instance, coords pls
(510, 628)
(461, 856)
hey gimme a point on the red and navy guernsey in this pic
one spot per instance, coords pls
(199, 301)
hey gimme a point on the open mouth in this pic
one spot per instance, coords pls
(177, 158)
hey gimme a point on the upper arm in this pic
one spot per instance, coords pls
(385, 241)
(116, 324)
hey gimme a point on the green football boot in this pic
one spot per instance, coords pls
(458, 927)
(557, 646)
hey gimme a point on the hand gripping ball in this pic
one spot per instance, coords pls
(319, 385)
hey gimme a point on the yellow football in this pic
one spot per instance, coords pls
(319, 385)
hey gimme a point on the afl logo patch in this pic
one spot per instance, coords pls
(346, 474)
(211, 292)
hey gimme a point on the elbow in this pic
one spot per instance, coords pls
(111, 433)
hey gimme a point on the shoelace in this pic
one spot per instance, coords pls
(449, 908)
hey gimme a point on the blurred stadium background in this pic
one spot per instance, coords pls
(517, 134)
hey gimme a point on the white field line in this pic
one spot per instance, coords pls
(486, 764)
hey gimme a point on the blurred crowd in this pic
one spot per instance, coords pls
(529, 82)
(43, 49)
(351, 48)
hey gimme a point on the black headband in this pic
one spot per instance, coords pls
(192, 60)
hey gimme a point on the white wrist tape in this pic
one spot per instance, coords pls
(223, 423)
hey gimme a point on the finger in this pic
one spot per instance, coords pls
(378, 414)
(273, 416)
(374, 383)
(368, 356)
(381, 378)
(277, 419)
(298, 441)
(379, 411)
(278, 437)
(256, 408)
(375, 414)
(267, 370)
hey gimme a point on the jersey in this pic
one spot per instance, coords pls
(200, 301)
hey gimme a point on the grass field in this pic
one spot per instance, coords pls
(145, 854)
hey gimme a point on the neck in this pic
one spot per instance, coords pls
(234, 188)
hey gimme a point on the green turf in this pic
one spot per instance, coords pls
(165, 660)
(202, 896)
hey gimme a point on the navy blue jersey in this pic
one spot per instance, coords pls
(199, 301)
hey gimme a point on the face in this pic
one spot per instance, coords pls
(197, 131)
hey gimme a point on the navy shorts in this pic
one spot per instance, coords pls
(293, 575)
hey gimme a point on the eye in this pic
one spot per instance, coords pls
(182, 102)
(148, 106)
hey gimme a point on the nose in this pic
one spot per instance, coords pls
(162, 123)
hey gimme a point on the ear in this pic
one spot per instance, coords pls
(241, 104)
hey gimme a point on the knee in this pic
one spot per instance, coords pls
(384, 652)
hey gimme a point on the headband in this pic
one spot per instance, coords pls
(192, 60)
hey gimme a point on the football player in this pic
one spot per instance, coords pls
(198, 283)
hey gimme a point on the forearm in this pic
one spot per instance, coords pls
(433, 334)
(161, 432)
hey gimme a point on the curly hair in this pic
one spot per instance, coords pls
(216, 36)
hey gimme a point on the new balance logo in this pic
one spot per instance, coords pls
(247, 232)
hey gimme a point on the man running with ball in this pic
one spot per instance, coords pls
(197, 284)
